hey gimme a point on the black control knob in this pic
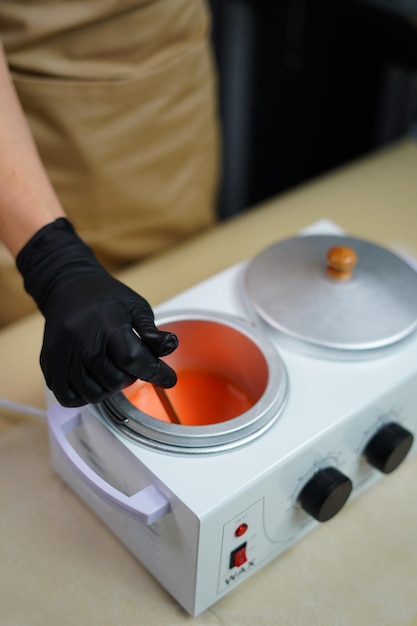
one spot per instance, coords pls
(325, 493)
(388, 447)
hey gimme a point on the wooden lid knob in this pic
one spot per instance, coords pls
(340, 262)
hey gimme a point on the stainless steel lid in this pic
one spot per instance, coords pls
(211, 344)
(363, 300)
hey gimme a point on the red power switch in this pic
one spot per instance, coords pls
(238, 556)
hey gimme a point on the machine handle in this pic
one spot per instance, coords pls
(147, 505)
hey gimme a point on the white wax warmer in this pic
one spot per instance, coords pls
(297, 390)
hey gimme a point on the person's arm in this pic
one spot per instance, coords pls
(99, 335)
(27, 199)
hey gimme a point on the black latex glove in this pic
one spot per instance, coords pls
(89, 348)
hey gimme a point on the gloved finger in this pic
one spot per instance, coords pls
(56, 378)
(85, 385)
(68, 397)
(71, 383)
(104, 370)
(159, 342)
(89, 388)
(130, 353)
(63, 392)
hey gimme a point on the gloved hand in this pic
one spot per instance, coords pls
(90, 349)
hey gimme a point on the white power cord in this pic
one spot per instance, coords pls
(22, 408)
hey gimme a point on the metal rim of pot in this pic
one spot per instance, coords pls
(140, 427)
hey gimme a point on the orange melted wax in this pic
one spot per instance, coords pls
(199, 398)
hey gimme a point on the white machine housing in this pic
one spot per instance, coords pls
(216, 519)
